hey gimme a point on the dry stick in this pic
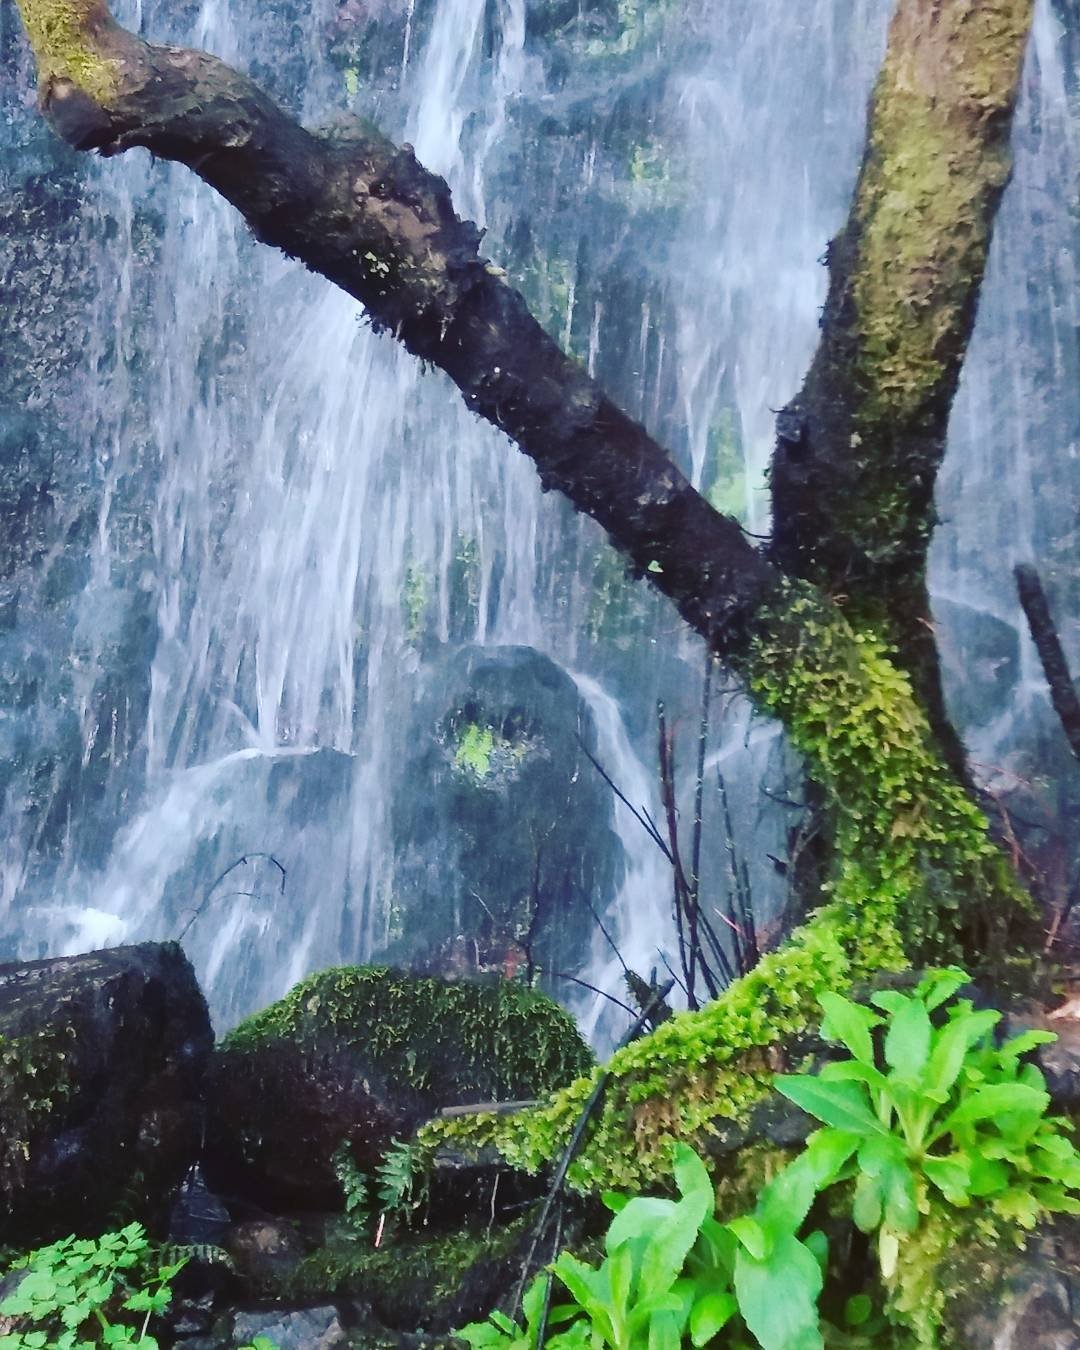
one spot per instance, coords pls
(695, 845)
(739, 938)
(680, 888)
(571, 1150)
(1047, 643)
(610, 940)
(642, 817)
(647, 823)
(239, 862)
(561, 974)
(699, 786)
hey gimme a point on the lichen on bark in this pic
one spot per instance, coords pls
(63, 35)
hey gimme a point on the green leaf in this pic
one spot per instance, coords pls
(670, 1243)
(692, 1178)
(1025, 1042)
(889, 1000)
(710, 1314)
(951, 1045)
(778, 1297)
(857, 1310)
(785, 1202)
(827, 1151)
(997, 1099)
(638, 1218)
(938, 986)
(885, 1160)
(842, 1105)
(866, 1209)
(1018, 1205)
(619, 1268)
(852, 1071)
(850, 1023)
(951, 1175)
(751, 1236)
(907, 1042)
(665, 1333)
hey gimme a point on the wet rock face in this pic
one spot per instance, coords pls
(501, 825)
(101, 1064)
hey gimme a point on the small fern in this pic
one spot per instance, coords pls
(355, 1186)
(401, 1180)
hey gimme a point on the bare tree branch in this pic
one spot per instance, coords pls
(1051, 654)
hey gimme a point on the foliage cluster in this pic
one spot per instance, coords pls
(80, 1293)
(927, 1116)
(399, 1185)
(33, 1079)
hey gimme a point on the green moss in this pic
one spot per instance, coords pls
(514, 1040)
(916, 870)
(916, 879)
(34, 1081)
(413, 1280)
(58, 34)
(415, 599)
(936, 164)
(474, 749)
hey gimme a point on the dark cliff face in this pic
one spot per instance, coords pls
(101, 1064)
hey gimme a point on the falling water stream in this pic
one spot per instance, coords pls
(305, 522)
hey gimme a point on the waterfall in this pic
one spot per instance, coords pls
(272, 524)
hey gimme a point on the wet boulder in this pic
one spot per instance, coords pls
(502, 829)
(355, 1057)
(101, 1064)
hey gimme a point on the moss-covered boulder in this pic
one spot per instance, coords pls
(360, 1055)
(101, 1061)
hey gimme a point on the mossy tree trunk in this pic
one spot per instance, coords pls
(828, 627)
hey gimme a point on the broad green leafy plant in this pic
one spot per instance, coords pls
(673, 1273)
(78, 1294)
(929, 1113)
(947, 1114)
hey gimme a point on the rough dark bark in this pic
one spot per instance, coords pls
(1044, 634)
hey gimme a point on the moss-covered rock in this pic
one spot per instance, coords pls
(101, 1058)
(362, 1054)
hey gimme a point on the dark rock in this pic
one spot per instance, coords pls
(264, 1251)
(360, 1056)
(102, 1059)
(1034, 1304)
(198, 1217)
(1060, 1062)
(309, 1329)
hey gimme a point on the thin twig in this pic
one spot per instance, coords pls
(239, 862)
(572, 1147)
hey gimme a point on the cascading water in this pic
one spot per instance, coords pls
(277, 552)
